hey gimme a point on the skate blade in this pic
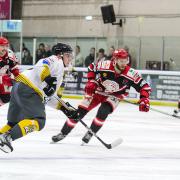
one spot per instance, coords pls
(83, 144)
(52, 142)
(6, 149)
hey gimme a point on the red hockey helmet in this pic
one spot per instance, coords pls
(121, 59)
(120, 54)
(4, 41)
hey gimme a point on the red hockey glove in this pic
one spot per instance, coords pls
(6, 80)
(144, 104)
(91, 87)
(15, 72)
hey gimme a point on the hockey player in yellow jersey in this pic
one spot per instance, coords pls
(26, 111)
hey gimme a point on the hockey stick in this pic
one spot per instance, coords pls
(108, 146)
(152, 109)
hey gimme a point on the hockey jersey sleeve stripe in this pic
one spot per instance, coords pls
(71, 122)
(45, 72)
(98, 122)
(23, 79)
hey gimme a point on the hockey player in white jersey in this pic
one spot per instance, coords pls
(26, 111)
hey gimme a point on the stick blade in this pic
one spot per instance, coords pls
(116, 142)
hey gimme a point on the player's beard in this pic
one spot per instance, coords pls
(2, 53)
(119, 68)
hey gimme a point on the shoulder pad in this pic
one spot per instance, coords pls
(105, 65)
(132, 73)
(12, 56)
(46, 62)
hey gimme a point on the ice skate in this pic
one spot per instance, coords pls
(176, 111)
(86, 138)
(5, 143)
(58, 137)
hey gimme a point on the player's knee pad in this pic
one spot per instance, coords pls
(27, 126)
(104, 110)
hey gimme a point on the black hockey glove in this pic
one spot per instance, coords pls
(71, 112)
(50, 89)
(10, 62)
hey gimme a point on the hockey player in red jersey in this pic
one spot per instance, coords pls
(176, 111)
(108, 83)
(8, 70)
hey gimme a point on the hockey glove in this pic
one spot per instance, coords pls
(71, 112)
(50, 89)
(6, 80)
(144, 104)
(91, 87)
(11, 62)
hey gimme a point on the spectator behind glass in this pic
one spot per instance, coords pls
(40, 52)
(101, 55)
(24, 49)
(27, 58)
(111, 50)
(48, 50)
(79, 60)
(90, 58)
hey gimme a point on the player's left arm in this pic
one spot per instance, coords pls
(144, 89)
(13, 63)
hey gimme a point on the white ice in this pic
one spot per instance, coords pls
(150, 149)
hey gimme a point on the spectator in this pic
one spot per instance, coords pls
(40, 52)
(79, 60)
(111, 50)
(24, 47)
(48, 50)
(27, 58)
(24, 50)
(11, 47)
(101, 55)
(90, 58)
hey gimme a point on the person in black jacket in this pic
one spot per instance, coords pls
(90, 58)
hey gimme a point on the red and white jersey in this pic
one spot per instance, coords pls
(9, 64)
(118, 84)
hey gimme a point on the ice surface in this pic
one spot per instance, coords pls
(150, 149)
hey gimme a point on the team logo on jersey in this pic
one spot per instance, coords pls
(111, 86)
(45, 61)
(104, 74)
(29, 129)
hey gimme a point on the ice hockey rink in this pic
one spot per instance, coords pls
(150, 149)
